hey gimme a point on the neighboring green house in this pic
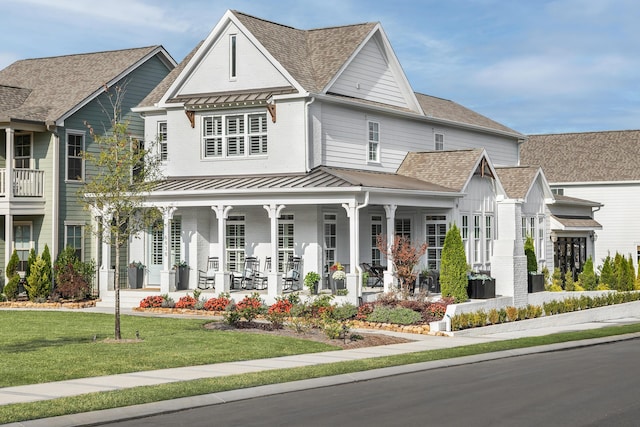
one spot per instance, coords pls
(45, 105)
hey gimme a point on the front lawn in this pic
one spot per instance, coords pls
(43, 346)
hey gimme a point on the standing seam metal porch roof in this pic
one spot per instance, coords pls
(321, 177)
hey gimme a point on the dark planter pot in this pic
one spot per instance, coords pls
(481, 289)
(535, 282)
(136, 277)
(183, 278)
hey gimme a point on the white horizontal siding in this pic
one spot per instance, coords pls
(344, 138)
(618, 217)
(369, 77)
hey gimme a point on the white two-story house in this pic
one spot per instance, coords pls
(281, 142)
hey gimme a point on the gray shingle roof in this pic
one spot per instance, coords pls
(56, 85)
(450, 169)
(517, 181)
(448, 110)
(312, 57)
(585, 157)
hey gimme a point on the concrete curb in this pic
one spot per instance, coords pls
(174, 405)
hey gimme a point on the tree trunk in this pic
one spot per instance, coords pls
(116, 287)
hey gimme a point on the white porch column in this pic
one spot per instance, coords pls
(274, 286)
(107, 274)
(8, 239)
(354, 256)
(8, 179)
(390, 211)
(168, 274)
(223, 281)
(508, 263)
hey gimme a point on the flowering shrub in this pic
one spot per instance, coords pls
(336, 267)
(278, 312)
(364, 311)
(186, 301)
(250, 306)
(339, 275)
(152, 302)
(217, 304)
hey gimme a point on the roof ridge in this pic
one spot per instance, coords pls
(88, 53)
(584, 133)
(264, 20)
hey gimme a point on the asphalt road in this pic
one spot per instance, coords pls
(591, 386)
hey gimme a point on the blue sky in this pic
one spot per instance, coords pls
(535, 66)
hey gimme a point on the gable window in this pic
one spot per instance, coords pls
(162, 140)
(22, 151)
(75, 147)
(374, 142)
(233, 56)
(241, 135)
(438, 139)
(73, 237)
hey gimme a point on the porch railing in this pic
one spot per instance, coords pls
(26, 182)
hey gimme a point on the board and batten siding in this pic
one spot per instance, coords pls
(369, 77)
(137, 86)
(212, 74)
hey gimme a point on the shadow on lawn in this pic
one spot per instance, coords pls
(39, 343)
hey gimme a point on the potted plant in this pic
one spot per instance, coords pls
(311, 281)
(535, 280)
(182, 270)
(338, 275)
(136, 274)
(480, 286)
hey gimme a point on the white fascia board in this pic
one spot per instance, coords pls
(165, 57)
(224, 22)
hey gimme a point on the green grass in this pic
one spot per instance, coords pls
(139, 395)
(41, 346)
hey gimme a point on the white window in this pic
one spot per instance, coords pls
(235, 242)
(22, 243)
(376, 230)
(285, 240)
(541, 239)
(464, 232)
(477, 242)
(403, 227)
(162, 140)
(22, 150)
(176, 234)
(231, 140)
(436, 226)
(73, 236)
(75, 147)
(330, 238)
(374, 142)
(233, 56)
(488, 238)
(438, 139)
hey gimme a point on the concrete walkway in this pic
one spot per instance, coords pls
(37, 392)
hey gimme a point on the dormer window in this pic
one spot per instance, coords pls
(233, 57)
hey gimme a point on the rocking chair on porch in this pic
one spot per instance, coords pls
(207, 278)
(291, 276)
(261, 278)
(246, 278)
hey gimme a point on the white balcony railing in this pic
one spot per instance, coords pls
(26, 182)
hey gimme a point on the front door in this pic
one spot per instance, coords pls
(155, 253)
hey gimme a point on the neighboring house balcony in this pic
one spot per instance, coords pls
(26, 183)
(24, 193)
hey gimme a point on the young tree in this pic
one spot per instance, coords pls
(404, 255)
(587, 277)
(606, 273)
(122, 172)
(453, 266)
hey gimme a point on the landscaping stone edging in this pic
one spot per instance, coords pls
(47, 305)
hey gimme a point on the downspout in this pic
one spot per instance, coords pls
(306, 133)
(357, 266)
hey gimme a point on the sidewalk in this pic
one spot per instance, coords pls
(36, 392)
